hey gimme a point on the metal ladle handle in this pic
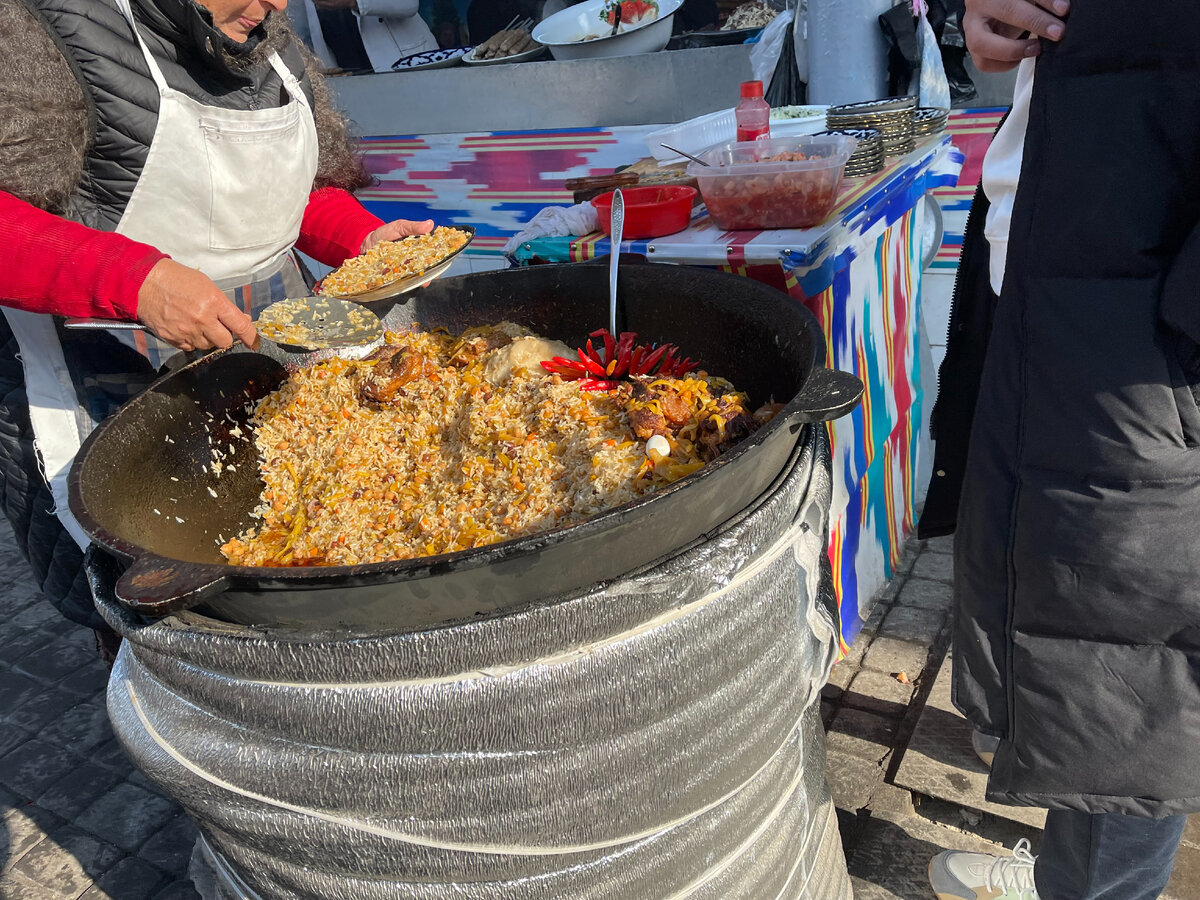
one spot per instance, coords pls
(615, 232)
(685, 153)
(81, 323)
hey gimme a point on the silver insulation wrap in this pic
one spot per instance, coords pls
(655, 737)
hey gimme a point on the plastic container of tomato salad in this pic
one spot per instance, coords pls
(774, 182)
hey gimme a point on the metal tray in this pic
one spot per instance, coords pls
(692, 39)
(533, 53)
(411, 282)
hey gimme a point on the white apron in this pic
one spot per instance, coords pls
(223, 191)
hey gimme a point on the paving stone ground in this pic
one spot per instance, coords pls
(78, 822)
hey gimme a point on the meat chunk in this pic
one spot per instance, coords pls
(393, 368)
(676, 410)
(662, 409)
(646, 423)
(767, 412)
(728, 425)
(470, 349)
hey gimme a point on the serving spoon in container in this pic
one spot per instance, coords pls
(615, 231)
(683, 153)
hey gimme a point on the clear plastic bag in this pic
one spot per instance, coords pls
(764, 56)
(935, 90)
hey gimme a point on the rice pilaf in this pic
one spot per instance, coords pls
(389, 261)
(418, 453)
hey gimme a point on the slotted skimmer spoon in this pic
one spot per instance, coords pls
(306, 323)
(319, 323)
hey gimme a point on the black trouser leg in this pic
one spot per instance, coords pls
(1107, 856)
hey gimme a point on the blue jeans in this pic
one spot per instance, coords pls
(1108, 856)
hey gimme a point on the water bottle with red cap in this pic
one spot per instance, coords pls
(753, 113)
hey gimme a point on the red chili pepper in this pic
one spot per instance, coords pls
(591, 363)
(651, 360)
(619, 358)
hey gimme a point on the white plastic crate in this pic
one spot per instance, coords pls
(720, 127)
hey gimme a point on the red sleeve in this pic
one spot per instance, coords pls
(61, 267)
(334, 226)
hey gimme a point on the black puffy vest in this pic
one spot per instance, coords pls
(122, 99)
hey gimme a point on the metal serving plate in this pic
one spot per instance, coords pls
(319, 323)
(532, 53)
(716, 38)
(887, 104)
(411, 282)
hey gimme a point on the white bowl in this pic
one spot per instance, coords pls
(810, 122)
(564, 32)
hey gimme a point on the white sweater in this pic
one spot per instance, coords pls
(390, 30)
(1002, 171)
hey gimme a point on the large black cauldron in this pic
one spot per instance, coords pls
(142, 486)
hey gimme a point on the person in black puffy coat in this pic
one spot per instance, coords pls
(1077, 561)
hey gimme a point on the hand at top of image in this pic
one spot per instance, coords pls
(1001, 33)
(394, 230)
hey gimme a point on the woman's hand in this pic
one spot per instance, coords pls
(994, 30)
(394, 230)
(183, 307)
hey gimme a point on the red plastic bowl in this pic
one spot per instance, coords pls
(649, 211)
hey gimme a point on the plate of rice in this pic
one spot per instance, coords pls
(391, 268)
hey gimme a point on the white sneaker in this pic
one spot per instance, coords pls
(960, 875)
(985, 746)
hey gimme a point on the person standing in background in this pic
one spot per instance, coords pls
(449, 28)
(488, 17)
(362, 35)
(1076, 566)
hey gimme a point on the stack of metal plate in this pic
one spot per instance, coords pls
(892, 118)
(868, 156)
(929, 121)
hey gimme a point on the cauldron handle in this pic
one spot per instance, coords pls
(827, 395)
(155, 586)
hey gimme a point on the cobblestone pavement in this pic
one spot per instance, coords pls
(78, 820)
(80, 823)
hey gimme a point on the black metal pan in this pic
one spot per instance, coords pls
(143, 484)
